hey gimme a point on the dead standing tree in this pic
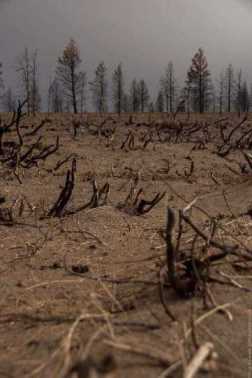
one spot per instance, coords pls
(24, 70)
(143, 95)
(35, 95)
(134, 99)
(168, 88)
(221, 92)
(198, 78)
(27, 68)
(99, 89)
(229, 87)
(118, 89)
(82, 92)
(55, 97)
(67, 72)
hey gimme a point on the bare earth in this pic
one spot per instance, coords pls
(80, 290)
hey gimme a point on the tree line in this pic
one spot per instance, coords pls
(68, 90)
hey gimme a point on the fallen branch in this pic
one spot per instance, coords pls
(153, 354)
(198, 360)
(225, 248)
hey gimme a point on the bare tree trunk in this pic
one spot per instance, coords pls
(73, 90)
(27, 67)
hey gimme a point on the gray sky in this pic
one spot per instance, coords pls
(142, 34)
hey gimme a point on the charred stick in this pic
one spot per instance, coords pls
(42, 155)
(30, 150)
(42, 123)
(65, 195)
(170, 252)
(17, 123)
(225, 248)
(145, 206)
(236, 128)
(60, 163)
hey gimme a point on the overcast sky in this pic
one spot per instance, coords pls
(142, 34)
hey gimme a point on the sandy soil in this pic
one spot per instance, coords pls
(80, 292)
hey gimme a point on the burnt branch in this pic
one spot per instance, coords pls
(129, 142)
(236, 128)
(248, 159)
(189, 173)
(145, 206)
(195, 270)
(42, 155)
(58, 208)
(6, 216)
(170, 250)
(225, 148)
(135, 205)
(99, 198)
(184, 285)
(26, 155)
(15, 121)
(225, 248)
(62, 162)
(42, 123)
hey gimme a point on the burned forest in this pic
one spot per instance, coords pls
(125, 244)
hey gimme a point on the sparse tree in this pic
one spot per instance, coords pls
(134, 97)
(199, 81)
(168, 86)
(118, 89)
(99, 88)
(69, 75)
(143, 95)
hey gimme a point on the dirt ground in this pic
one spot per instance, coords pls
(80, 289)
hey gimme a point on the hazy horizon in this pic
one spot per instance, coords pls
(142, 34)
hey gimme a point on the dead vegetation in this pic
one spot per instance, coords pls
(126, 246)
